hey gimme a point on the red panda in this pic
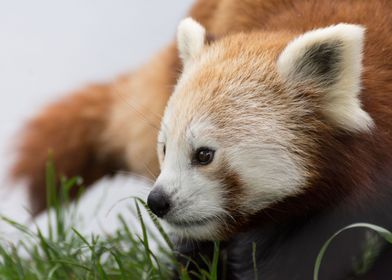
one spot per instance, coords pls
(277, 133)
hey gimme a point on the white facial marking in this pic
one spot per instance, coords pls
(270, 172)
(196, 199)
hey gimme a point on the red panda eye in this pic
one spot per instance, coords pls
(203, 156)
(164, 150)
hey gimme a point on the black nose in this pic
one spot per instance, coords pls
(158, 202)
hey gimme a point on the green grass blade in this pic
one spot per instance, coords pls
(50, 179)
(387, 235)
(215, 262)
(156, 223)
(145, 236)
(254, 260)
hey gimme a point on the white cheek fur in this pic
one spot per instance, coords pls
(270, 174)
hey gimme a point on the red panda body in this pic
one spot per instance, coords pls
(348, 171)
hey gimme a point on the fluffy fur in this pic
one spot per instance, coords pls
(296, 159)
(69, 131)
(300, 63)
(190, 39)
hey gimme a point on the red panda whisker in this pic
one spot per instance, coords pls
(143, 116)
(157, 116)
(145, 166)
(136, 175)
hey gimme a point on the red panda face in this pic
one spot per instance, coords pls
(240, 131)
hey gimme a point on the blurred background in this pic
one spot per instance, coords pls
(48, 48)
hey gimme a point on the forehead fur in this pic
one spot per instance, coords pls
(232, 83)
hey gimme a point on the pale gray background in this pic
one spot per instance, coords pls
(48, 48)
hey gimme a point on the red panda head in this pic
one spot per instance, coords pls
(243, 128)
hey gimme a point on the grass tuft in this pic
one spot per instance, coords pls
(66, 253)
(63, 252)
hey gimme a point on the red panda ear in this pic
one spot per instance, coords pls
(330, 61)
(191, 38)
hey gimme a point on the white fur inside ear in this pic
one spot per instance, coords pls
(337, 77)
(190, 38)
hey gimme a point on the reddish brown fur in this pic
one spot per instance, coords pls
(345, 163)
(233, 185)
(69, 129)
